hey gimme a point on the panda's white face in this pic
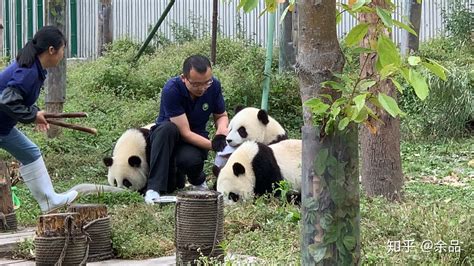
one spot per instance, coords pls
(128, 167)
(245, 125)
(254, 124)
(237, 179)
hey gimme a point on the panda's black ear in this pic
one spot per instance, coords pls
(238, 169)
(108, 161)
(238, 108)
(134, 161)
(263, 116)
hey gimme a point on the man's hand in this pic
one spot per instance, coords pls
(41, 123)
(218, 142)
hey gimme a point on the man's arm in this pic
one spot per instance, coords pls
(222, 122)
(181, 121)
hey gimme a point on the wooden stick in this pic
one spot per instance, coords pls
(92, 131)
(65, 115)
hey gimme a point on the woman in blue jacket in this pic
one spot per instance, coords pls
(20, 85)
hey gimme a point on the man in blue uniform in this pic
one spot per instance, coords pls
(179, 140)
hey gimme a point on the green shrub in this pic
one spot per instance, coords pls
(459, 21)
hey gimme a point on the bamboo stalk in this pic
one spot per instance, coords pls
(89, 130)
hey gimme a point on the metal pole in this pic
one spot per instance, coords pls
(268, 60)
(7, 29)
(19, 35)
(29, 11)
(152, 33)
(39, 9)
(73, 40)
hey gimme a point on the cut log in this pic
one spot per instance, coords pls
(89, 212)
(6, 202)
(59, 224)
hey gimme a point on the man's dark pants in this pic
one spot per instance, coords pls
(171, 159)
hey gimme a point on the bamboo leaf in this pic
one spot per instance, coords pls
(385, 16)
(418, 82)
(356, 34)
(389, 104)
(404, 26)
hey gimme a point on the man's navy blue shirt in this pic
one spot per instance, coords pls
(28, 81)
(176, 100)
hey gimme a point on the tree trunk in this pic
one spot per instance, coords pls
(381, 163)
(215, 8)
(330, 192)
(415, 19)
(56, 80)
(105, 33)
(287, 51)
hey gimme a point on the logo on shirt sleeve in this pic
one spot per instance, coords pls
(205, 106)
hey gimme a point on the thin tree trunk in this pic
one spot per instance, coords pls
(415, 20)
(287, 58)
(381, 163)
(215, 8)
(330, 194)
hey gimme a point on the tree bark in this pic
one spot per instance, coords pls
(105, 32)
(287, 51)
(381, 163)
(215, 8)
(415, 20)
(56, 80)
(330, 198)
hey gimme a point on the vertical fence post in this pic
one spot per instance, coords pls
(105, 25)
(39, 10)
(73, 40)
(29, 12)
(7, 28)
(1, 30)
(56, 81)
(19, 26)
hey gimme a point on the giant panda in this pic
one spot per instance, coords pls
(254, 124)
(249, 124)
(254, 169)
(129, 165)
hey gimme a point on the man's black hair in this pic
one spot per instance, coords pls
(198, 62)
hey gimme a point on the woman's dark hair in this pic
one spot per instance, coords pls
(198, 62)
(44, 38)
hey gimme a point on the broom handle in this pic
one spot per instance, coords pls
(65, 115)
(89, 130)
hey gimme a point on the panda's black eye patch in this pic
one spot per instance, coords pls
(127, 183)
(115, 182)
(242, 132)
(238, 168)
(234, 197)
(108, 161)
(134, 161)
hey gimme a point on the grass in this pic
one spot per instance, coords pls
(438, 203)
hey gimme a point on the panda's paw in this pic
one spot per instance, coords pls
(219, 142)
(152, 197)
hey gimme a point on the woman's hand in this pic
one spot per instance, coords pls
(41, 123)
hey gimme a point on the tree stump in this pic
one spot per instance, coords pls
(96, 223)
(60, 240)
(58, 224)
(7, 214)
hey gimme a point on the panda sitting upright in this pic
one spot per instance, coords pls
(254, 169)
(249, 124)
(129, 165)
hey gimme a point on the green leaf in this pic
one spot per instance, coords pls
(316, 105)
(405, 73)
(414, 60)
(319, 253)
(399, 87)
(357, 34)
(405, 27)
(385, 16)
(343, 123)
(349, 242)
(320, 161)
(362, 116)
(338, 17)
(389, 104)
(360, 50)
(387, 51)
(358, 4)
(387, 71)
(271, 5)
(335, 110)
(283, 15)
(333, 84)
(359, 101)
(250, 5)
(365, 84)
(436, 69)
(418, 82)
